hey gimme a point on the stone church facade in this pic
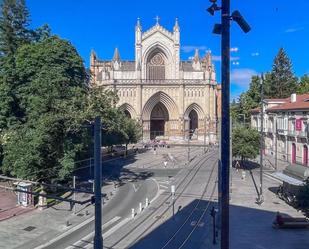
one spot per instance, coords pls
(169, 97)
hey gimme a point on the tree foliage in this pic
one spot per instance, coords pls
(245, 143)
(303, 86)
(303, 197)
(280, 82)
(14, 20)
(56, 103)
(283, 80)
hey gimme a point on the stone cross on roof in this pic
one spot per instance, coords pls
(157, 18)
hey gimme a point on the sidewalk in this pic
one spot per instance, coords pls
(37, 227)
(251, 224)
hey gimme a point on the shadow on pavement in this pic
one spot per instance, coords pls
(249, 228)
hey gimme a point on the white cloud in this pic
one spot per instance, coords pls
(188, 49)
(234, 49)
(255, 54)
(218, 58)
(292, 30)
(242, 77)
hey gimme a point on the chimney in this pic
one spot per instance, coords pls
(293, 97)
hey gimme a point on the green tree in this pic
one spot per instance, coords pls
(14, 20)
(303, 197)
(303, 86)
(283, 80)
(50, 80)
(245, 143)
(132, 131)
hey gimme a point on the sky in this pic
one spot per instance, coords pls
(103, 25)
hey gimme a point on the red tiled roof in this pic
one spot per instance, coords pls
(302, 103)
(276, 100)
(255, 110)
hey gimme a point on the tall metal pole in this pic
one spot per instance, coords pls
(276, 144)
(225, 125)
(205, 136)
(208, 130)
(231, 152)
(98, 239)
(261, 140)
(189, 147)
(74, 194)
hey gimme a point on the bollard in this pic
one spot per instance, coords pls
(87, 212)
(68, 223)
(140, 207)
(133, 213)
(147, 202)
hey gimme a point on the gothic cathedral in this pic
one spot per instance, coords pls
(171, 98)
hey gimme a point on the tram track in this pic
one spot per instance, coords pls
(186, 221)
(182, 184)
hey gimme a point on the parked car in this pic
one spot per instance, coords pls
(119, 150)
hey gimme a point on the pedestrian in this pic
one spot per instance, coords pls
(237, 165)
(243, 174)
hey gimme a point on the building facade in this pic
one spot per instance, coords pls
(170, 97)
(285, 128)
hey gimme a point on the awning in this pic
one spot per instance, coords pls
(288, 179)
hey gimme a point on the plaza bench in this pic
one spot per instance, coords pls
(290, 222)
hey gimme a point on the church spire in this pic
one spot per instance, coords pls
(208, 58)
(196, 57)
(176, 26)
(138, 24)
(116, 56)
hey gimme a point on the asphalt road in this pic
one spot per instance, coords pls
(154, 227)
(128, 196)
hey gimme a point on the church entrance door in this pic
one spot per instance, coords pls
(158, 118)
(193, 117)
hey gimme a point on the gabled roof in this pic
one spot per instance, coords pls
(301, 103)
(157, 28)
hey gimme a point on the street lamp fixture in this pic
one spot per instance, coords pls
(239, 19)
(213, 8)
(236, 16)
(224, 165)
(217, 29)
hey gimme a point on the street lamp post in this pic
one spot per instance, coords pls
(260, 199)
(205, 129)
(98, 239)
(224, 30)
(205, 136)
(189, 147)
(244, 115)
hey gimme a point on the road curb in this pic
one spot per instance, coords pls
(66, 233)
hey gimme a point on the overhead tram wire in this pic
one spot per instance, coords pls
(181, 183)
(194, 209)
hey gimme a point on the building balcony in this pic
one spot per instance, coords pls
(303, 134)
(282, 132)
(270, 130)
(292, 133)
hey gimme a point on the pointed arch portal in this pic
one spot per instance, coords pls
(158, 118)
(193, 117)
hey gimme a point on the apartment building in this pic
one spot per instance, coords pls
(285, 128)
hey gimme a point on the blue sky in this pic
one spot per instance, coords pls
(103, 25)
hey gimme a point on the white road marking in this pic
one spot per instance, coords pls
(110, 231)
(88, 236)
(163, 186)
(113, 229)
(66, 233)
(135, 188)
